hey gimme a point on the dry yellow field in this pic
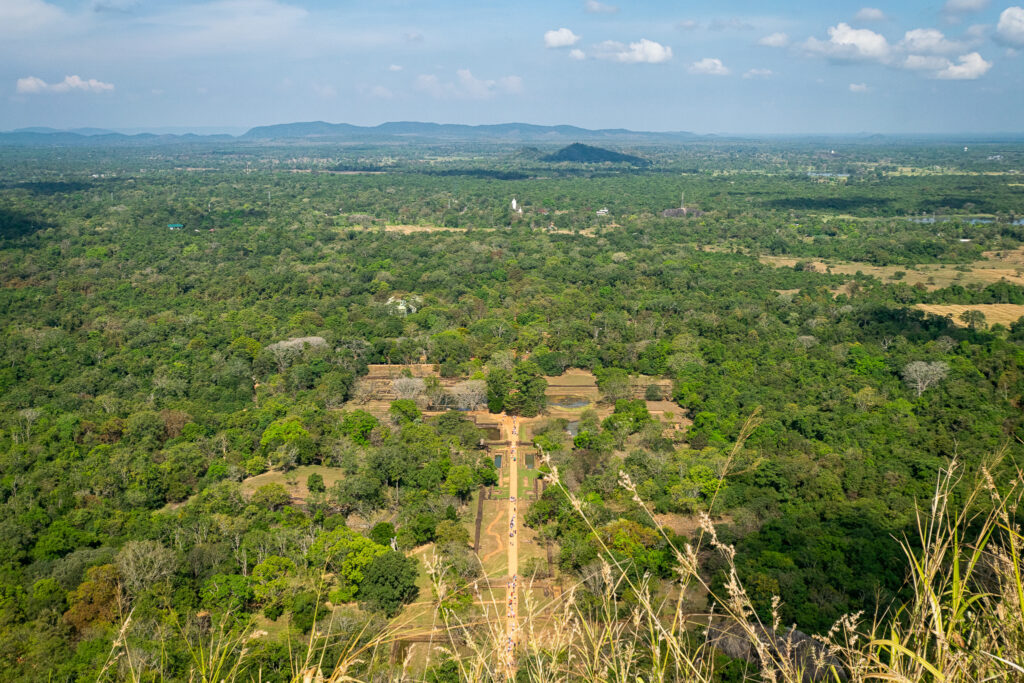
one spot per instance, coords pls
(1009, 267)
(412, 229)
(994, 313)
(409, 229)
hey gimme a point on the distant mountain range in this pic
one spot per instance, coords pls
(320, 131)
(396, 132)
(406, 130)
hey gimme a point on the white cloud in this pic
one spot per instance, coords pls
(562, 37)
(114, 5)
(327, 91)
(964, 6)
(595, 7)
(709, 66)
(577, 54)
(32, 85)
(395, 67)
(858, 87)
(925, 63)
(467, 86)
(758, 73)
(646, 51)
(977, 32)
(687, 25)
(513, 85)
(412, 37)
(733, 24)
(1010, 29)
(642, 51)
(928, 41)
(430, 84)
(220, 26)
(848, 43)
(774, 40)
(970, 67)
(18, 17)
(870, 14)
(381, 93)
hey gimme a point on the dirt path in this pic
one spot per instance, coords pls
(511, 426)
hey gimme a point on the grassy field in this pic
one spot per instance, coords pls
(299, 475)
(994, 313)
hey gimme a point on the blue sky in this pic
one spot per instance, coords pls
(708, 67)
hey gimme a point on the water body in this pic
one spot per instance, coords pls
(929, 220)
(493, 433)
(568, 401)
(573, 428)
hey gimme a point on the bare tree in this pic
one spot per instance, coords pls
(471, 394)
(28, 418)
(807, 340)
(919, 375)
(503, 359)
(144, 563)
(409, 387)
(283, 356)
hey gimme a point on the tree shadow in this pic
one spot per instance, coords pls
(15, 224)
(47, 187)
(828, 203)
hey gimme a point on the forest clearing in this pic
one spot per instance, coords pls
(1001, 314)
(931, 276)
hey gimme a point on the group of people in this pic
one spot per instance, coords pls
(510, 646)
(512, 613)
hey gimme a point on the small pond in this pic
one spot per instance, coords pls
(492, 433)
(928, 220)
(568, 401)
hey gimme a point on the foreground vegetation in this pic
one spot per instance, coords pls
(962, 620)
(148, 372)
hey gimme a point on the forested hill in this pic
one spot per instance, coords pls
(585, 154)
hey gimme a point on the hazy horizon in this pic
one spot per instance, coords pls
(949, 67)
(238, 131)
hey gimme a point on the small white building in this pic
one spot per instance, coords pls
(602, 212)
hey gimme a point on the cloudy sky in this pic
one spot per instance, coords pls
(709, 67)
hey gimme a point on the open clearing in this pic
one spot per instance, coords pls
(930, 275)
(298, 490)
(1005, 314)
(413, 229)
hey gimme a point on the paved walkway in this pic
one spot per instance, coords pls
(511, 426)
